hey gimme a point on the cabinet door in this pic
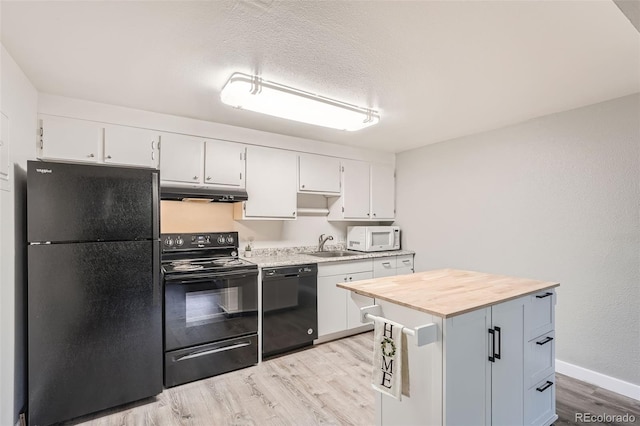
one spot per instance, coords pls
(467, 370)
(382, 191)
(507, 384)
(332, 305)
(271, 183)
(130, 146)
(69, 139)
(181, 158)
(318, 174)
(355, 189)
(356, 301)
(224, 164)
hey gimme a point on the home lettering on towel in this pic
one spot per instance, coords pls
(389, 359)
(388, 352)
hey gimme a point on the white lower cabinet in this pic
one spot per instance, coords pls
(493, 373)
(337, 310)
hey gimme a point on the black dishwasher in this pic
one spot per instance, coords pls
(289, 308)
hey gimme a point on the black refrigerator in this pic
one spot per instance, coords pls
(94, 313)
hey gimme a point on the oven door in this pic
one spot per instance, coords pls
(207, 308)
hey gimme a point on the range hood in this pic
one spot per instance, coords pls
(203, 194)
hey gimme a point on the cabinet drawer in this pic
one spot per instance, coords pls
(539, 314)
(540, 402)
(404, 261)
(344, 267)
(539, 358)
(384, 266)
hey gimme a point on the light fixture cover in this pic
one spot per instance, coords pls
(255, 94)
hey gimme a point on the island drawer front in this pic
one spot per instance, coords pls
(540, 314)
(539, 358)
(384, 266)
(344, 267)
(540, 402)
(405, 261)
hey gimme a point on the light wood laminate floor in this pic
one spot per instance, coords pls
(325, 385)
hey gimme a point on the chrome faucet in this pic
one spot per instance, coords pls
(322, 240)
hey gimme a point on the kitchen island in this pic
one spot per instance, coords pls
(493, 358)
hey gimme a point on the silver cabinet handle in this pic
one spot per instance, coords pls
(303, 186)
(374, 214)
(195, 178)
(153, 155)
(387, 264)
(406, 261)
(90, 155)
(208, 177)
(153, 144)
(108, 157)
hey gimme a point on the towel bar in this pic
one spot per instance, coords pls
(424, 334)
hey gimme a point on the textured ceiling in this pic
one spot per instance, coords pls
(434, 69)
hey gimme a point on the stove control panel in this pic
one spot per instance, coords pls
(196, 241)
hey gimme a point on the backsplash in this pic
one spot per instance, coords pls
(299, 234)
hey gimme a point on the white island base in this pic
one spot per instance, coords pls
(492, 365)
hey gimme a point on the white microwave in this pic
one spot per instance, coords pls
(373, 238)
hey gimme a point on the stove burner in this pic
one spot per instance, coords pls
(227, 262)
(186, 266)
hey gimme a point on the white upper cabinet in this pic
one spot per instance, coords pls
(93, 142)
(130, 146)
(181, 159)
(382, 191)
(201, 162)
(318, 174)
(271, 184)
(69, 139)
(224, 164)
(355, 190)
(367, 192)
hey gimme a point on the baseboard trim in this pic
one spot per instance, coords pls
(599, 379)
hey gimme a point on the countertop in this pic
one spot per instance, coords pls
(447, 292)
(303, 258)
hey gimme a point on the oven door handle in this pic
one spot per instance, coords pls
(195, 278)
(212, 351)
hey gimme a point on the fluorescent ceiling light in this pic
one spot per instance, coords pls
(255, 94)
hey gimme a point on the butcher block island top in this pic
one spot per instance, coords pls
(447, 292)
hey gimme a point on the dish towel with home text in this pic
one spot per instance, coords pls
(390, 360)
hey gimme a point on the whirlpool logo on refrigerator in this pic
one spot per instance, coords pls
(44, 171)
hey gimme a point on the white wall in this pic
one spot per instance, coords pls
(555, 198)
(19, 102)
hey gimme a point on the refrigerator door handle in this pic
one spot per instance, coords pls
(157, 282)
(156, 206)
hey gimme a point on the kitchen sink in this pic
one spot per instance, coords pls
(334, 254)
